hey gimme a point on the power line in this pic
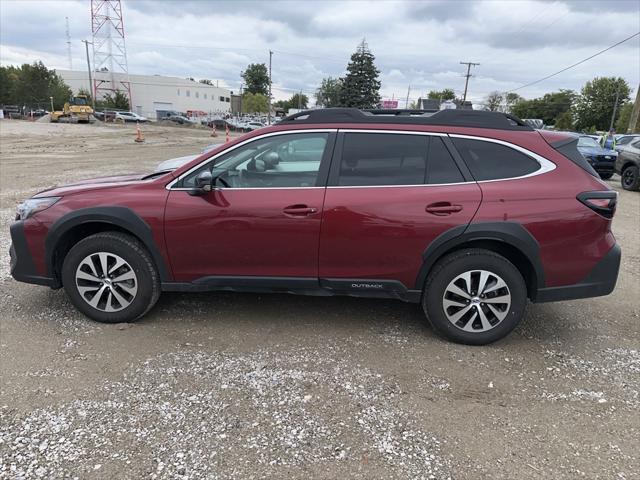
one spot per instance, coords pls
(575, 64)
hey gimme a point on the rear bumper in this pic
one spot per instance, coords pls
(22, 267)
(600, 281)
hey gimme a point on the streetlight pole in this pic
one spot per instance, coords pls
(93, 95)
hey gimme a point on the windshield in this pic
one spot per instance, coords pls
(587, 142)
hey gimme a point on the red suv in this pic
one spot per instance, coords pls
(468, 213)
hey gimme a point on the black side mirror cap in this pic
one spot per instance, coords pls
(203, 182)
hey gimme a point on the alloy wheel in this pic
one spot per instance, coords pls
(106, 281)
(628, 177)
(476, 301)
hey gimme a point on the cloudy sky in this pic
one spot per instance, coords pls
(417, 43)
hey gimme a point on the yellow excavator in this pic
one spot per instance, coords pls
(76, 110)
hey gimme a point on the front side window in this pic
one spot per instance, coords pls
(493, 161)
(291, 160)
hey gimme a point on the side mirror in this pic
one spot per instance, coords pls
(203, 183)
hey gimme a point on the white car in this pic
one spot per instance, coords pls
(130, 117)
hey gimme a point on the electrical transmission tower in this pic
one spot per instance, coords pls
(111, 72)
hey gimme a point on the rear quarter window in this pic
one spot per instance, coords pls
(493, 161)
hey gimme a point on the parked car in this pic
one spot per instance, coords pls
(622, 140)
(467, 213)
(628, 165)
(250, 126)
(180, 119)
(601, 159)
(131, 117)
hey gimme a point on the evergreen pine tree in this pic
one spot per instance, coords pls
(361, 87)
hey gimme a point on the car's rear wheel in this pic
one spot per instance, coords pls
(111, 278)
(474, 296)
(630, 178)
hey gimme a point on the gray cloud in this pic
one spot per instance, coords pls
(415, 42)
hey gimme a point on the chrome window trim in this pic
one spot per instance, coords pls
(545, 164)
(249, 140)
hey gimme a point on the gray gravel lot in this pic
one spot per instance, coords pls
(240, 386)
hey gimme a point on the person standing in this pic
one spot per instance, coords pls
(608, 140)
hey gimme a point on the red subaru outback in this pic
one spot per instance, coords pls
(468, 213)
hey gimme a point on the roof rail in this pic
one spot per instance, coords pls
(450, 117)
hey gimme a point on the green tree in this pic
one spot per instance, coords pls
(32, 85)
(564, 121)
(297, 100)
(445, 94)
(493, 102)
(117, 101)
(256, 79)
(622, 125)
(595, 104)
(254, 103)
(361, 86)
(510, 99)
(548, 107)
(328, 94)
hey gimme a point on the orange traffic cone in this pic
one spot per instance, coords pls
(213, 130)
(227, 130)
(139, 136)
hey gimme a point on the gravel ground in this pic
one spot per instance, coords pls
(273, 386)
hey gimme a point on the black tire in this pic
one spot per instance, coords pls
(128, 248)
(457, 263)
(630, 178)
(606, 176)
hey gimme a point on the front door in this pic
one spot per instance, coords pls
(389, 196)
(262, 219)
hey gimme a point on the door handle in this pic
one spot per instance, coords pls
(299, 210)
(443, 208)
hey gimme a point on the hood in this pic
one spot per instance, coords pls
(597, 151)
(92, 184)
(174, 163)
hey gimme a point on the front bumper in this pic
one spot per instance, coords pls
(600, 281)
(22, 267)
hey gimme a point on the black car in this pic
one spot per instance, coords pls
(628, 165)
(601, 159)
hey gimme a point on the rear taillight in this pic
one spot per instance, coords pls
(601, 202)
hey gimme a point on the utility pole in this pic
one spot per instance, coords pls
(633, 121)
(240, 112)
(466, 83)
(93, 95)
(300, 100)
(269, 114)
(615, 108)
(406, 105)
(69, 45)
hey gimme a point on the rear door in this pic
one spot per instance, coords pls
(390, 194)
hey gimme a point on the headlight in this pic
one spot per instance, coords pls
(34, 205)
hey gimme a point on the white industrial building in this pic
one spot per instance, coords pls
(152, 93)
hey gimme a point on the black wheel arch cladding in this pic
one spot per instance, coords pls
(121, 217)
(512, 234)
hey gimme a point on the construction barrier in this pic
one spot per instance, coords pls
(227, 130)
(139, 136)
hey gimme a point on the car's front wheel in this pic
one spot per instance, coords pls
(474, 296)
(630, 178)
(111, 278)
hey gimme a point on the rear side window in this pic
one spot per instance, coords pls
(441, 168)
(493, 161)
(370, 159)
(570, 150)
